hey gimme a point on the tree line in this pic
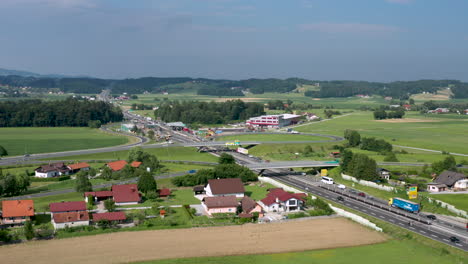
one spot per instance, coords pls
(11, 185)
(69, 112)
(207, 112)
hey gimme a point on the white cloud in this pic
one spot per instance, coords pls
(348, 28)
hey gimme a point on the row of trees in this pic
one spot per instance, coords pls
(11, 185)
(227, 168)
(359, 166)
(382, 114)
(69, 112)
(371, 144)
(208, 112)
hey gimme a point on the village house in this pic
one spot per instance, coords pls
(439, 111)
(98, 195)
(225, 187)
(220, 204)
(165, 192)
(383, 173)
(17, 211)
(407, 107)
(120, 164)
(278, 200)
(82, 166)
(113, 217)
(52, 170)
(449, 178)
(436, 187)
(250, 206)
(70, 219)
(126, 194)
(461, 185)
(63, 207)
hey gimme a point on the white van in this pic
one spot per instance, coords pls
(327, 180)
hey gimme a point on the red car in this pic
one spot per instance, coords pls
(362, 194)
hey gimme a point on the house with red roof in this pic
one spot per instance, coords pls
(70, 219)
(220, 204)
(225, 187)
(114, 217)
(51, 170)
(126, 194)
(278, 200)
(82, 166)
(64, 207)
(16, 211)
(250, 206)
(165, 192)
(98, 195)
(120, 164)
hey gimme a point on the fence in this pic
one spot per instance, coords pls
(449, 207)
(356, 218)
(368, 183)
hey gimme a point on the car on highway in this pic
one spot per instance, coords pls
(362, 194)
(341, 186)
(454, 239)
(432, 217)
(340, 198)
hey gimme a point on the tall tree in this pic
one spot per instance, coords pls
(3, 151)
(225, 158)
(82, 183)
(28, 230)
(147, 183)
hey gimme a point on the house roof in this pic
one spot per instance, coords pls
(99, 194)
(78, 166)
(244, 215)
(282, 196)
(450, 177)
(68, 206)
(248, 204)
(110, 216)
(16, 208)
(71, 217)
(226, 186)
(126, 193)
(439, 185)
(117, 165)
(46, 168)
(269, 200)
(135, 164)
(199, 188)
(164, 192)
(220, 201)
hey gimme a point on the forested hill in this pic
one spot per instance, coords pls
(69, 112)
(202, 86)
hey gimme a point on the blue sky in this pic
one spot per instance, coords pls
(378, 40)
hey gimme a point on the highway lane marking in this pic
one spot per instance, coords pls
(411, 227)
(372, 213)
(434, 235)
(422, 231)
(446, 240)
(391, 220)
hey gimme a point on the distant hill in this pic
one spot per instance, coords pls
(6, 72)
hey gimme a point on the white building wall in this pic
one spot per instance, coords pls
(70, 224)
(49, 174)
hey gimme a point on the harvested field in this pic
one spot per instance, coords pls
(196, 242)
(408, 120)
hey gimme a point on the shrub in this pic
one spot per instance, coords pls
(296, 215)
(5, 236)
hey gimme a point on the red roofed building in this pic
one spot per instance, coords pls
(99, 195)
(110, 216)
(126, 194)
(78, 167)
(17, 211)
(225, 187)
(281, 201)
(117, 165)
(70, 219)
(164, 192)
(63, 207)
(135, 164)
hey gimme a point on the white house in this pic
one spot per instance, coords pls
(225, 187)
(461, 184)
(281, 201)
(436, 187)
(70, 219)
(52, 170)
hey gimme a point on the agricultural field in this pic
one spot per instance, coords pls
(270, 137)
(422, 131)
(31, 140)
(178, 243)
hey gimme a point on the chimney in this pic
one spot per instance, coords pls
(277, 200)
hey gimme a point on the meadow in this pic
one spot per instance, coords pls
(31, 140)
(270, 137)
(460, 201)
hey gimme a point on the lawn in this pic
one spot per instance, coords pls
(460, 201)
(169, 153)
(179, 196)
(434, 133)
(41, 204)
(21, 140)
(170, 167)
(394, 251)
(270, 137)
(257, 190)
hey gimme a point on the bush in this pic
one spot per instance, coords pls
(297, 215)
(5, 236)
(224, 215)
(61, 178)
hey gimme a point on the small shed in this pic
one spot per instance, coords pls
(199, 189)
(164, 192)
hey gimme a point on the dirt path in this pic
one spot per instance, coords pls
(196, 242)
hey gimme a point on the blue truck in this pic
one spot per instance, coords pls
(404, 204)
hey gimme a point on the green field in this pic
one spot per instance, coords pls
(460, 201)
(270, 137)
(41, 204)
(436, 133)
(21, 140)
(391, 252)
(258, 190)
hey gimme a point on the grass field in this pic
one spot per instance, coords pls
(391, 252)
(434, 133)
(272, 137)
(21, 140)
(460, 201)
(258, 190)
(41, 204)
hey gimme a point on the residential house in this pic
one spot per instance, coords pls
(82, 166)
(126, 194)
(439, 111)
(17, 211)
(466, 111)
(461, 185)
(250, 206)
(114, 217)
(225, 187)
(70, 219)
(407, 107)
(63, 207)
(164, 192)
(52, 170)
(120, 164)
(220, 204)
(98, 195)
(436, 187)
(383, 173)
(449, 178)
(278, 200)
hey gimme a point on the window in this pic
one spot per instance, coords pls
(229, 209)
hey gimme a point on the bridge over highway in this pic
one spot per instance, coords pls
(291, 164)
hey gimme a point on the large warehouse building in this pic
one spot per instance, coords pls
(273, 121)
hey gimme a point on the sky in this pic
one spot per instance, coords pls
(374, 40)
